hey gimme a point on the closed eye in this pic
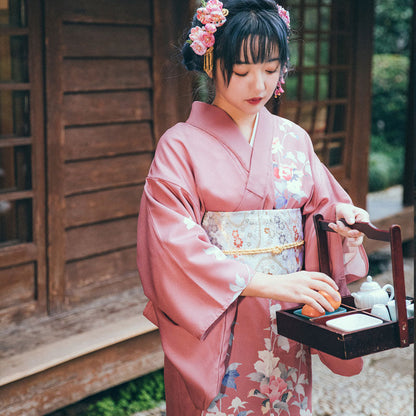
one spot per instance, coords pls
(240, 74)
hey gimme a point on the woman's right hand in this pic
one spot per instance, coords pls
(300, 287)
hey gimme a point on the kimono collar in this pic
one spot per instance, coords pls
(219, 124)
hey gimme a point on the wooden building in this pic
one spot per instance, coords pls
(86, 89)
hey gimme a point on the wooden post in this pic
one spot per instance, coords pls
(172, 97)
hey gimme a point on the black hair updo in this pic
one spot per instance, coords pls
(252, 26)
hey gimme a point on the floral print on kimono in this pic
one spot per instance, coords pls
(279, 379)
(289, 166)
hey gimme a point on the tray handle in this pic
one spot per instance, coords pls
(393, 236)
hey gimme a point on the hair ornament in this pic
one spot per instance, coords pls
(284, 14)
(202, 39)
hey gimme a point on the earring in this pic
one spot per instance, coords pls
(279, 90)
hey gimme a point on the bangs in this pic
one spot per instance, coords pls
(252, 38)
(257, 49)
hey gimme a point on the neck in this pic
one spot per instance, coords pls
(244, 121)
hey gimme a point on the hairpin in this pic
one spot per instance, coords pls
(202, 39)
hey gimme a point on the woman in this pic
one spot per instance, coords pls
(216, 313)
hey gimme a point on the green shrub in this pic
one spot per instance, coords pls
(385, 164)
(389, 104)
(142, 394)
(389, 117)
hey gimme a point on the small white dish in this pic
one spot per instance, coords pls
(354, 322)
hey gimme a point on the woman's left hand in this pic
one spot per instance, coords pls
(351, 214)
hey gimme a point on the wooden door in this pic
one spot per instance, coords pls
(22, 185)
(99, 143)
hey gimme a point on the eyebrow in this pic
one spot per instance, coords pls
(248, 63)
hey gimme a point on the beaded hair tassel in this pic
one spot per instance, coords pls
(284, 14)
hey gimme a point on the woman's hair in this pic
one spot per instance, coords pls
(253, 27)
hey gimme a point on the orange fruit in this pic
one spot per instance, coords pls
(334, 303)
(307, 310)
(313, 313)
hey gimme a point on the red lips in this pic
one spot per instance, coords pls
(254, 100)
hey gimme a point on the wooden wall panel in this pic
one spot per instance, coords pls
(18, 285)
(102, 206)
(98, 238)
(108, 11)
(105, 66)
(107, 140)
(106, 74)
(88, 41)
(102, 51)
(106, 107)
(93, 272)
(105, 173)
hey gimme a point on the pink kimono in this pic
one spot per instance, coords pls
(223, 355)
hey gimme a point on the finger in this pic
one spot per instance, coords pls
(319, 302)
(341, 229)
(345, 231)
(346, 212)
(353, 233)
(323, 281)
(338, 226)
(321, 308)
(363, 216)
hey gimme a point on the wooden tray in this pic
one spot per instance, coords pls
(344, 344)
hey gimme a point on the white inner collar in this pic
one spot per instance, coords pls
(253, 133)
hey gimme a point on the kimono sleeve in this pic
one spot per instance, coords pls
(186, 278)
(326, 194)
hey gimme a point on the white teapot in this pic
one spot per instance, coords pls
(371, 293)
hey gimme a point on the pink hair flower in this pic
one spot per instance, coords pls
(198, 47)
(216, 3)
(212, 7)
(210, 28)
(217, 17)
(196, 33)
(208, 39)
(202, 15)
(284, 14)
(211, 15)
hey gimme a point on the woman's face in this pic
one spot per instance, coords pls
(250, 88)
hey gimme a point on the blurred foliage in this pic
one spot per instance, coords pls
(386, 164)
(390, 81)
(144, 393)
(389, 104)
(392, 26)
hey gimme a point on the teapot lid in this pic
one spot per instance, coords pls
(369, 285)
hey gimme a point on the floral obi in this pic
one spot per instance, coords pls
(269, 241)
